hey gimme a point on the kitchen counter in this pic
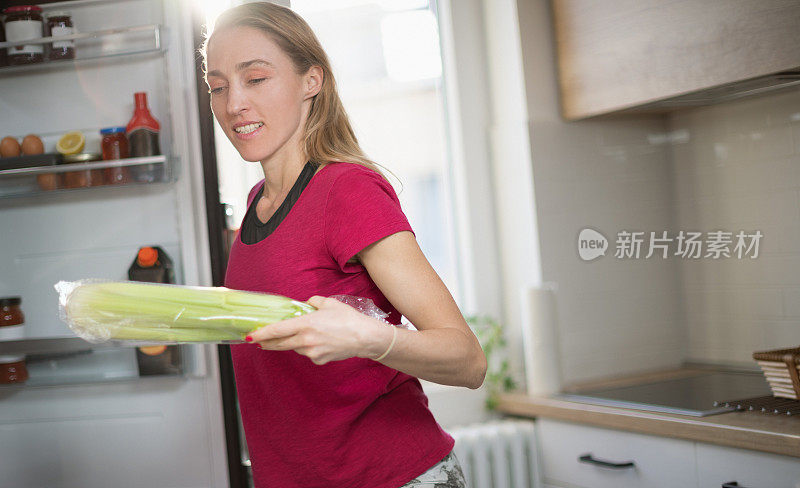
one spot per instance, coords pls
(779, 434)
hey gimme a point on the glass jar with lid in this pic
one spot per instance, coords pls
(59, 23)
(24, 23)
(84, 177)
(115, 146)
(10, 312)
(12, 367)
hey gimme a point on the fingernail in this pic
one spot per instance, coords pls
(248, 339)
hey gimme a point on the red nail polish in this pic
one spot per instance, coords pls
(248, 339)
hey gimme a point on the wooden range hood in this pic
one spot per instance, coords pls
(625, 56)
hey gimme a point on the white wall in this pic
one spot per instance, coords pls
(513, 191)
(615, 316)
(739, 169)
(731, 167)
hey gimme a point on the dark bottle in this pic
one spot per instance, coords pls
(153, 265)
(3, 52)
(143, 131)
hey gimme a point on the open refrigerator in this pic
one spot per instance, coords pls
(85, 416)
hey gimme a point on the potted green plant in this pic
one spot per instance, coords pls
(490, 335)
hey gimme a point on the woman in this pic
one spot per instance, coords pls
(329, 399)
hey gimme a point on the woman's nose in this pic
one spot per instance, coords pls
(237, 101)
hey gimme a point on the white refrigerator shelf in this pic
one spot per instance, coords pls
(126, 41)
(21, 182)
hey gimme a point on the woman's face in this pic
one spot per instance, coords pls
(256, 95)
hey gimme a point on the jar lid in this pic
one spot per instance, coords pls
(22, 8)
(8, 361)
(58, 13)
(10, 301)
(112, 130)
(147, 257)
(82, 157)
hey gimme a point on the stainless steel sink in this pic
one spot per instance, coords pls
(693, 395)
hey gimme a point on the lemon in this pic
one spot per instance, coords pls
(71, 143)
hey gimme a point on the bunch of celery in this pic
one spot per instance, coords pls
(99, 311)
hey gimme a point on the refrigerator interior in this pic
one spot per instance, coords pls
(85, 413)
(90, 232)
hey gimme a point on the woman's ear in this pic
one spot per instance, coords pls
(312, 81)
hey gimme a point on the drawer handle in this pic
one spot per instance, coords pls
(732, 484)
(587, 458)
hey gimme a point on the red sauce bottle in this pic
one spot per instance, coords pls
(143, 132)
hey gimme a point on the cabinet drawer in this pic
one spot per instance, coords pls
(658, 461)
(717, 465)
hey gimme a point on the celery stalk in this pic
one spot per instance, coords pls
(171, 313)
(130, 332)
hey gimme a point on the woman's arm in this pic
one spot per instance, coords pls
(443, 349)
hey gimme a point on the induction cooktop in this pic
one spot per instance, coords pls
(694, 395)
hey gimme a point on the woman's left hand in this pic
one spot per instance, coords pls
(333, 332)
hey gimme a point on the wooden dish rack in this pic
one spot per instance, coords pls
(782, 369)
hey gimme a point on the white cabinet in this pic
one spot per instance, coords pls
(750, 469)
(657, 461)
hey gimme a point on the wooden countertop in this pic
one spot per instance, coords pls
(779, 434)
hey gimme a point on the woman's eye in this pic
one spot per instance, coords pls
(256, 81)
(216, 91)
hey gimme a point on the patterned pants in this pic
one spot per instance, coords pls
(445, 474)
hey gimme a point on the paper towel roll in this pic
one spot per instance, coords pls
(540, 340)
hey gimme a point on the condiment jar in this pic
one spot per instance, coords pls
(81, 178)
(24, 23)
(10, 313)
(60, 24)
(115, 146)
(12, 367)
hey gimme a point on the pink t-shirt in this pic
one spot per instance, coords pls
(345, 424)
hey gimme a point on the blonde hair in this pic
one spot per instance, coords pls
(328, 135)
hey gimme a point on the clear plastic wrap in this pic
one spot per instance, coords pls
(152, 313)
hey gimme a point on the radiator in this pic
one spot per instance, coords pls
(498, 454)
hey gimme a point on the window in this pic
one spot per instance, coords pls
(387, 63)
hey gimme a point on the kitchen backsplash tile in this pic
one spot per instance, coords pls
(740, 170)
(614, 315)
(791, 303)
(777, 334)
(796, 133)
(730, 167)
